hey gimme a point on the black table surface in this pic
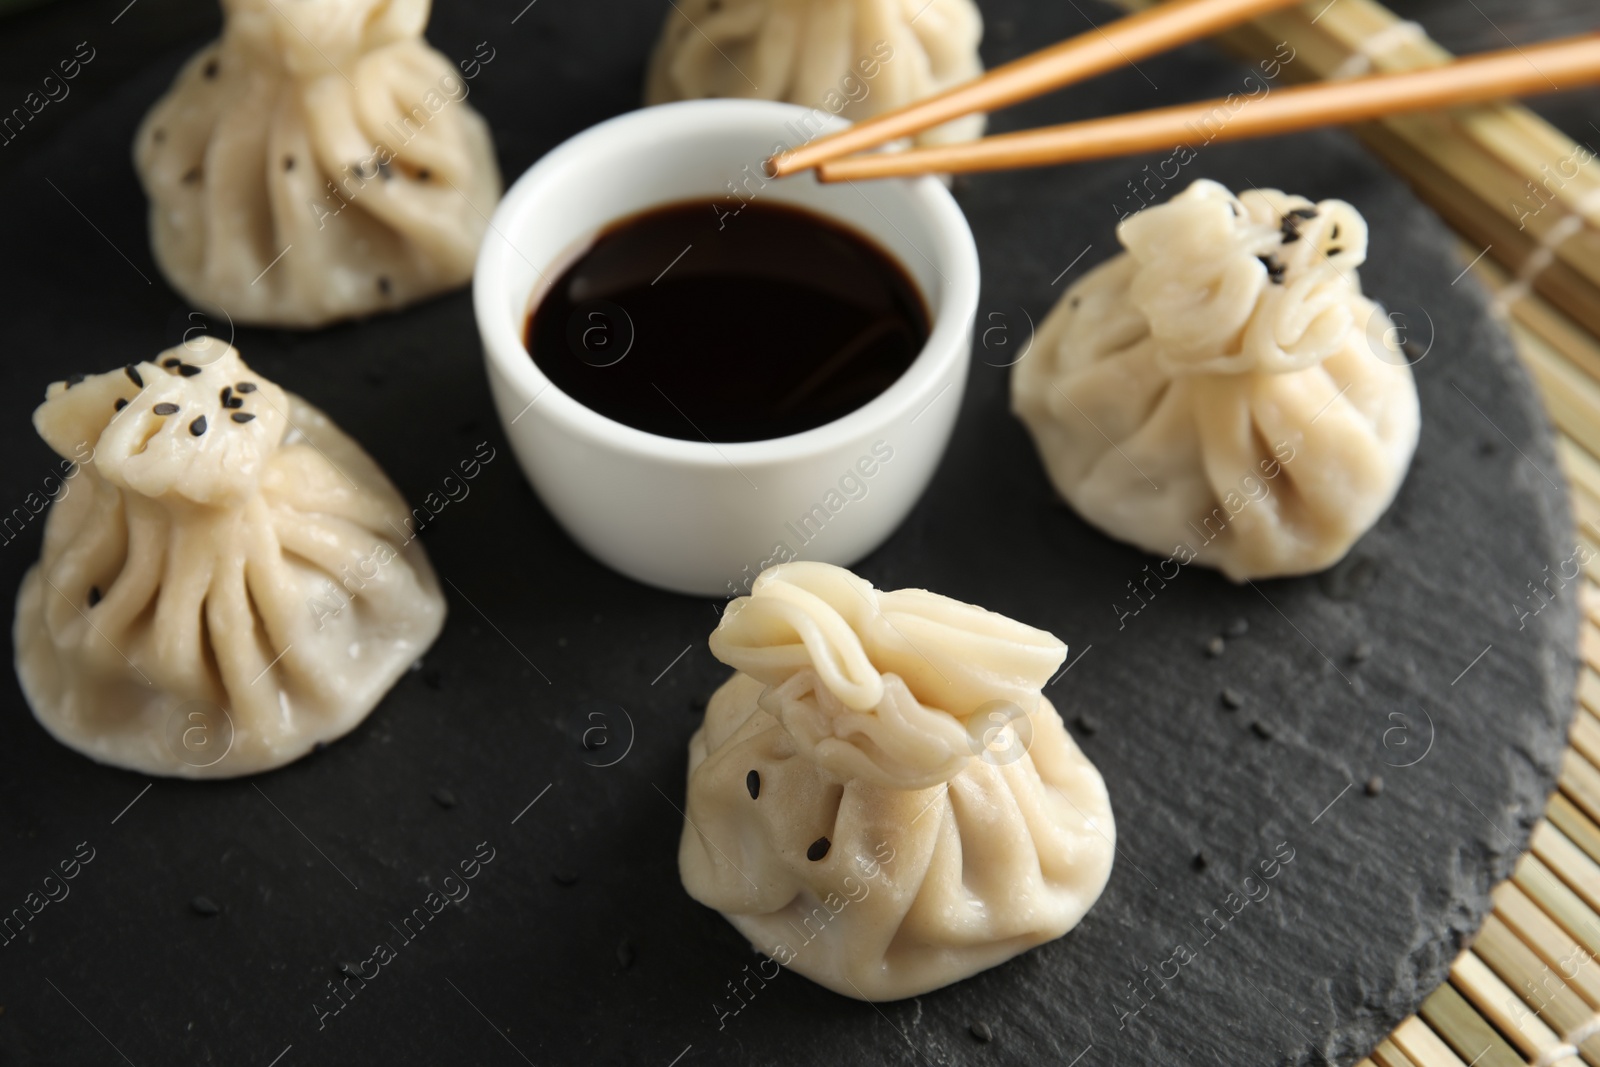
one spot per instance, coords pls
(547, 728)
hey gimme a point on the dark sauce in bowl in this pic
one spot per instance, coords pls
(686, 322)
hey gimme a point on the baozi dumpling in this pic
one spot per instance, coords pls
(881, 798)
(318, 162)
(228, 579)
(1221, 392)
(855, 58)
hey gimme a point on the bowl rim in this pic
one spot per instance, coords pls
(953, 307)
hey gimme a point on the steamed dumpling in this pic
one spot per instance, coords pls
(880, 797)
(319, 162)
(855, 58)
(227, 580)
(1222, 392)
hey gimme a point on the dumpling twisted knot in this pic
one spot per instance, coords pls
(310, 38)
(880, 685)
(1262, 281)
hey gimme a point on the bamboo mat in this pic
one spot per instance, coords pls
(1525, 200)
(1528, 989)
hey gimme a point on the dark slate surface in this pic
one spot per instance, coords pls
(576, 942)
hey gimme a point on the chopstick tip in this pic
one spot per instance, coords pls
(781, 164)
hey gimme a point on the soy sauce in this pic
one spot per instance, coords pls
(690, 322)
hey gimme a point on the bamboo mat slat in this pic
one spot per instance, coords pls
(1580, 781)
(1525, 201)
(1557, 900)
(1555, 948)
(1468, 1025)
(1585, 735)
(1568, 842)
(1588, 691)
(1534, 981)
(1388, 1054)
(1423, 1046)
(1589, 646)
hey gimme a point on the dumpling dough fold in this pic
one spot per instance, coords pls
(881, 798)
(855, 58)
(318, 162)
(227, 580)
(1222, 392)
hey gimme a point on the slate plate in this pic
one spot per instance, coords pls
(560, 685)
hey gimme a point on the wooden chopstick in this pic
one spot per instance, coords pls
(1554, 66)
(1116, 44)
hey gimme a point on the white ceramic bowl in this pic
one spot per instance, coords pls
(693, 516)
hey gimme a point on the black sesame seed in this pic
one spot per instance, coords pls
(444, 798)
(1232, 699)
(204, 905)
(242, 416)
(133, 375)
(385, 171)
(188, 370)
(424, 174)
(74, 380)
(1261, 730)
(226, 394)
(819, 848)
(981, 1032)
(1335, 231)
(1233, 208)
(1075, 301)
(1334, 250)
(1216, 646)
(384, 286)
(565, 877)
(170, 362)
(752, 782)
(1087, 725)
(94, 595)
(1237, 628)
(1274, 268)
(245, 387)
(165, 409)
(1374, 786)
(210, 69)
(119, 405)
(288, 163)
(1199, 862)
(198, 426)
